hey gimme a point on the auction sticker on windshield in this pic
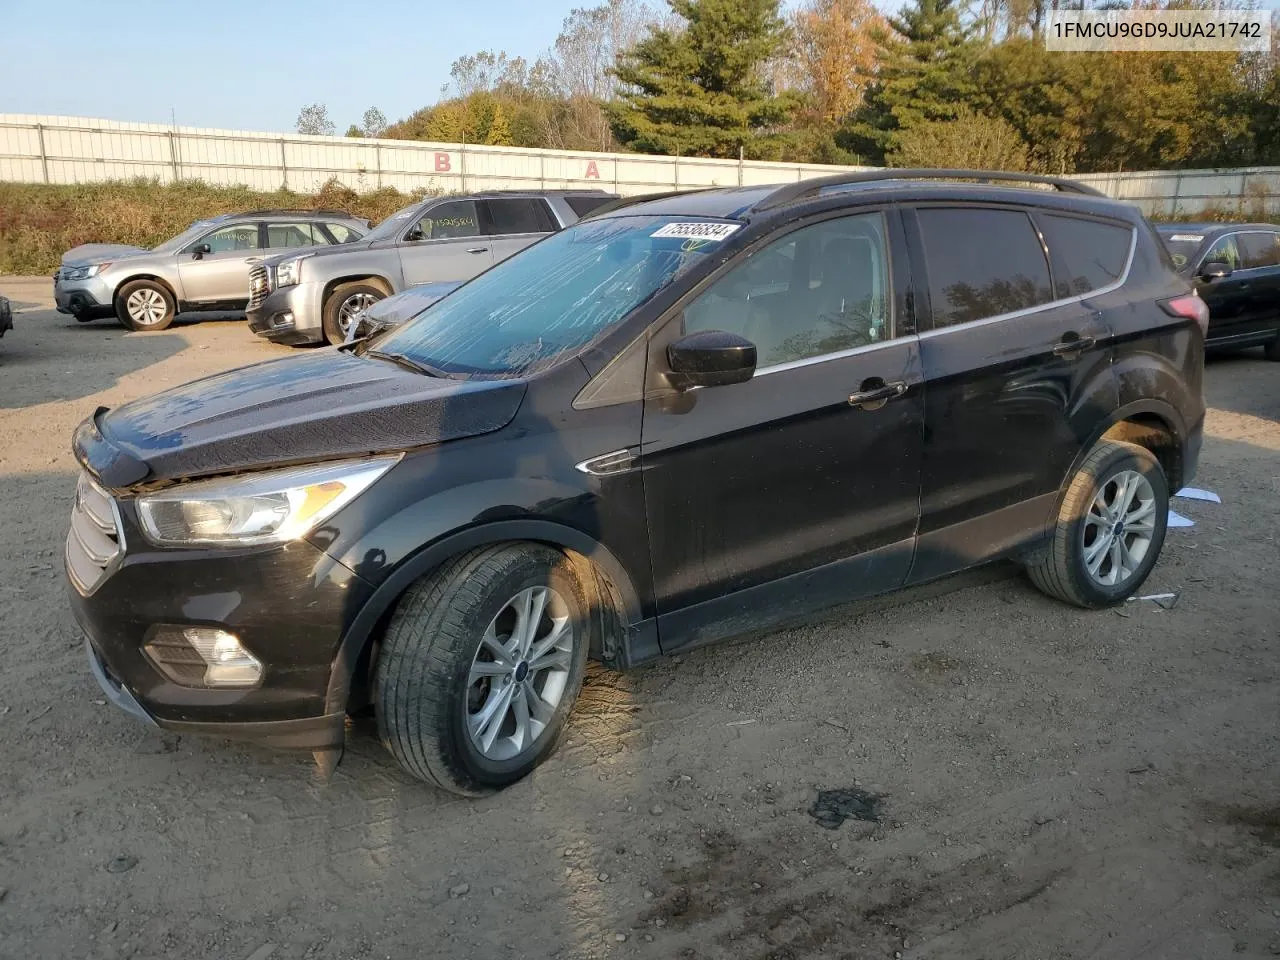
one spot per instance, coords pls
(697, 231)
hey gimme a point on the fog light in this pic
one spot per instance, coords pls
(203, 657)
(282, 319)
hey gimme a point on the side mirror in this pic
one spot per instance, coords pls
(1215, 270)
(198, 252)
(711, 358)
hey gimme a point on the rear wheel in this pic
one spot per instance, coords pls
(145, 305)
(1110, 528)
(480, 667)
(345, 304)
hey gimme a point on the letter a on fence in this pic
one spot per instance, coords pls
(593, 172)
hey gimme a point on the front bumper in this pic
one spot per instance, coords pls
(289, 315)
(91, 296)
(288, 604)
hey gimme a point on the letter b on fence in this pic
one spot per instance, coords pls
(442, 163)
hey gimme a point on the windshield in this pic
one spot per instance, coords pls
(391, 226)
(174, 244)
(551, 300)
(1182, 245)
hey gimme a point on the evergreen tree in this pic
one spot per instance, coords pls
(700, 88)
(926, 74)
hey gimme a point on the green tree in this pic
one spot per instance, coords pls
(499, 132)
(699, 87)
(970, 141)
(926, 74)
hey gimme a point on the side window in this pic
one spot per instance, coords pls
(1087, 255)
(242, 236)
(282, 236)
(342, 233)
(981, 263)
(585, 204)
(1259, 249)
(819, 290)
(522, 215)
(1224, 250)
(447, 221)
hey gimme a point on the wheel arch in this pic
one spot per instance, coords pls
(614, 593)
(368, 276)
(1150, 423)
(154, 278)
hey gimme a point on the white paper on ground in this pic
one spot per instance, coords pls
(1178, 520)
(1155, 596)
(1195, 493)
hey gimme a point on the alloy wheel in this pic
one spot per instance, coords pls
(519, 674)
(1119, 528)
(351, 307)
(146, 306)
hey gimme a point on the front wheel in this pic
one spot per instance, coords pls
(480, 666)
(1110, 528)
(145, 305)
(344, 306)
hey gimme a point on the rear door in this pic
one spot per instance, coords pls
(515, 222)
(1017, 368)
(1260, 253)
(780, 493)
(447, 243)
(291, 236)
(222, 274)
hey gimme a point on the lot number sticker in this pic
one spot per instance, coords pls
(697, 231)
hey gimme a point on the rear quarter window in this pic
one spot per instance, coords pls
(1087, 254)
(981, 263)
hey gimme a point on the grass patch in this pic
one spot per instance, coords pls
(39, 222)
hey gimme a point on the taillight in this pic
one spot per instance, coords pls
(1191, 307)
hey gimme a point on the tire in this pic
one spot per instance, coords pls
(1272, 350)
(145, 305)
(345, 299)
(1062, 569)
(426, 695)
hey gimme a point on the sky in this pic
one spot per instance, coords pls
(243, 65)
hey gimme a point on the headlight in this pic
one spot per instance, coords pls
(269, 507)
(289, 272)
(84, 273)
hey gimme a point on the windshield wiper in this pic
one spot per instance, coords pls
(399, 359)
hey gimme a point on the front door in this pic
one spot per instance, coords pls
(1014, 370)
(790, 491)
(1228, 298)
(222, 274)
(448, 243)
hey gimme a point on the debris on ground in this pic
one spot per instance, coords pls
(834, 807)
(1195, 493)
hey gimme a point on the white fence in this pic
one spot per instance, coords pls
(44, 149)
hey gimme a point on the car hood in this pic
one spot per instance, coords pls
(335, 250)
(97, 252)
(325, 405)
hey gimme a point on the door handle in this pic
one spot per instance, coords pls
(478, 250)
(1069, 345)
(875, 393)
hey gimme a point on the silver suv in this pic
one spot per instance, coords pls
(316, 295)
(206, 267)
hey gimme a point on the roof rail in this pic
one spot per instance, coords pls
(284, 211)
(808, 188)
(631, 201)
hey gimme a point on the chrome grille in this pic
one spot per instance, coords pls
(94, 541)
(257, 286)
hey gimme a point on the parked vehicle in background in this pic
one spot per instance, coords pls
(1236, 271)
(206, 267)
(671, 423)
(396, 309)
(315, 296)
(6, 316)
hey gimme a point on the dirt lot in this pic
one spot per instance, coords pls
(1056, 783)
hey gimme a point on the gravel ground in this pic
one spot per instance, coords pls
(1053, 783)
